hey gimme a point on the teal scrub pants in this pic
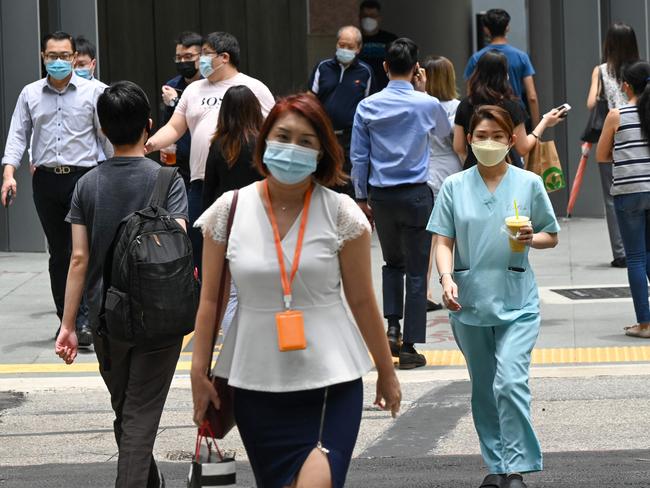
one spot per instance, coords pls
(498, 360)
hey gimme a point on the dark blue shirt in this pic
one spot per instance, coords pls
(183, 144)
(340, 89)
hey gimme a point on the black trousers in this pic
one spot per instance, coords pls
(401, 216)
(138, 380)
(344, 137)
(52, 196)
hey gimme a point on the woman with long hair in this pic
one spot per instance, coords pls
(297, 403)
(230, 161)
(489, 85)
(625, 139)
(490, 290)
(620, 48)
(443, 161)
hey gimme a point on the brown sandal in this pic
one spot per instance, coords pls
(637, 331)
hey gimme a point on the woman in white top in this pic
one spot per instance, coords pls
(620, 48)
(298, 411)
(443, 161)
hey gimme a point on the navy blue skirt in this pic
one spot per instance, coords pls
(279, 430)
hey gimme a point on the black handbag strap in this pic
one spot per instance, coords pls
(164, 182)
(600, 94)
(222, 282)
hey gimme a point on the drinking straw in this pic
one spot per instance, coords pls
(516, 210)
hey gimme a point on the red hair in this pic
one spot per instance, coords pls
(330, 166)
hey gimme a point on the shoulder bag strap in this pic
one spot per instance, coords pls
(600, 94)
(164, 182)
(222, 283)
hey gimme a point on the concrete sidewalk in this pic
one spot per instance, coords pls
(28, 321)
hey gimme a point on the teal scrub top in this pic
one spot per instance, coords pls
(495, 285)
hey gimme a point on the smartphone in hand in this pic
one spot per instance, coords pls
(566, 107)
(9, 198)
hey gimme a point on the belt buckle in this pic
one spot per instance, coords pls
(62, 170)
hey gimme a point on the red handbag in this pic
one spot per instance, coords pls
(221, 421)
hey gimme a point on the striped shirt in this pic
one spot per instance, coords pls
(59, 127)
(631, 155)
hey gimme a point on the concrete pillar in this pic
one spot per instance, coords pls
(20, 229)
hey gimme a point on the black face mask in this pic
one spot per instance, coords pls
(186, 69)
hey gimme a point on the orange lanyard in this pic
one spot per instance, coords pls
(287, 281)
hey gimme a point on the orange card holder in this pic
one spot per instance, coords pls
(291, 330)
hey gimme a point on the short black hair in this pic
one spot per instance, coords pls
(401, 56)
(189, 39)
(370, 4)
(84, 46)
(223, 42)
(57, 36)
(496, 20)
(123, 110)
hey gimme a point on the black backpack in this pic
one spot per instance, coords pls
(150, 289)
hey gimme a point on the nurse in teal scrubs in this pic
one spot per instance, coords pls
(491, 291)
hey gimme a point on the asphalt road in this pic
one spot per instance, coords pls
(611, 469)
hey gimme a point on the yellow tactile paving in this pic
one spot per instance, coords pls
(437, 357)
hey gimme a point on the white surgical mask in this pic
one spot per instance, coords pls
(489, 152)
(368, 24)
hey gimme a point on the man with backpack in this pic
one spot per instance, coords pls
(128, 253)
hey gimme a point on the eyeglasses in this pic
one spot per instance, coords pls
(211, 54)
(186, 57)
(55, 56)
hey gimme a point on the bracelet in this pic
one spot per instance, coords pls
(532, 133)
(441, 276)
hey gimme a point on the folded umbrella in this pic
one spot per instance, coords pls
(577, 181)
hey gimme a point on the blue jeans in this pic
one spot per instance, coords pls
(633, 213)
(194, 203)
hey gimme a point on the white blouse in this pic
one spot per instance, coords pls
(250, 357)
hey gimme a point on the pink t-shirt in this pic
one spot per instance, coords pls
(200, 105)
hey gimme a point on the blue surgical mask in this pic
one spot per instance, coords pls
(345, 56)
(58, 69)
(205, 66)
(84, 73)
(289, 163)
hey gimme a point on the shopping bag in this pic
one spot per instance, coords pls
(209, 466)
(544, 161)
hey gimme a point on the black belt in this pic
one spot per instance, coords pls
(62, 170)
(397, 187)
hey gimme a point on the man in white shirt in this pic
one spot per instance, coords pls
(56, 118)
(198, 111)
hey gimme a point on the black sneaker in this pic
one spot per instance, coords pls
(495, 481)
(84, 336)
(515, 481)
(394, 340)
(411, 360)
(619, 263)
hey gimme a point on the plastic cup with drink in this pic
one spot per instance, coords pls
(514, 225)
(168, 155)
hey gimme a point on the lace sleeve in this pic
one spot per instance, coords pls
(350, 222)
(214, 221)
